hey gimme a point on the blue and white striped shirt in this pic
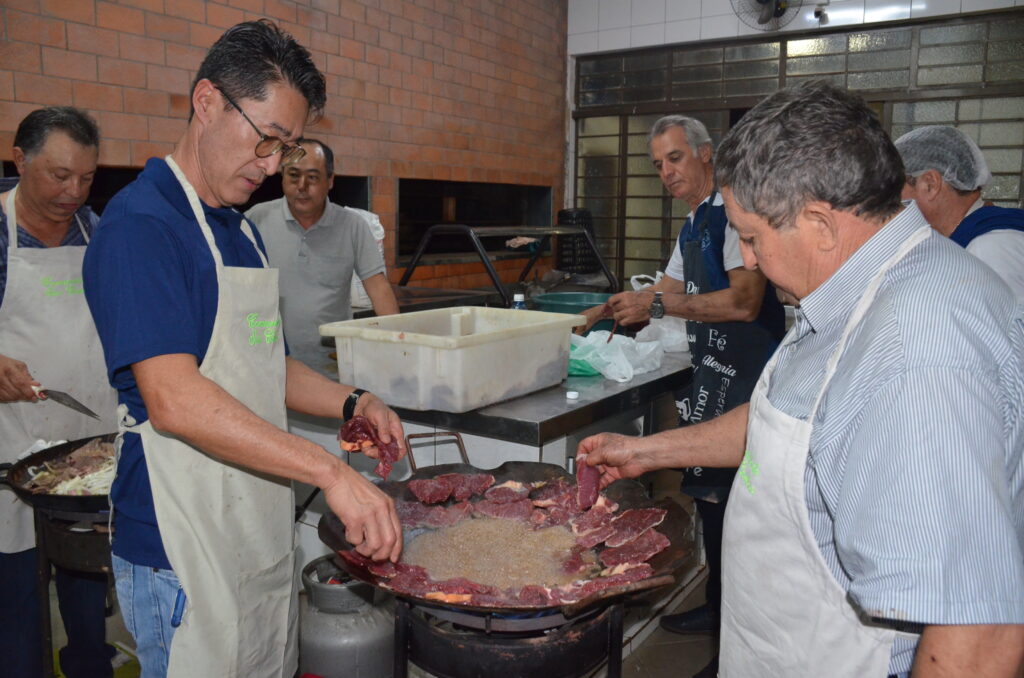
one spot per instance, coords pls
(915, 481)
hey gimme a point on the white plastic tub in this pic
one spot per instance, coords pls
(453, 359)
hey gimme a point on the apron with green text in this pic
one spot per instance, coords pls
(228, 530)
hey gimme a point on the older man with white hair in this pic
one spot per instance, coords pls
(946, 173)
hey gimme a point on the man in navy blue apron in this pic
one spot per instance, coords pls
(945, 174)
(734, 322)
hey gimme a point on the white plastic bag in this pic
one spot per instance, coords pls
(669, 331)
(619, 360)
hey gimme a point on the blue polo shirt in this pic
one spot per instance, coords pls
(151, 284)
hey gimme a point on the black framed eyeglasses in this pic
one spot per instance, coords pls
(267, 145)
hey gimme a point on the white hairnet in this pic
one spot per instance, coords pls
(946, 150)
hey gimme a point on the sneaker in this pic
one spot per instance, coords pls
(698, 620)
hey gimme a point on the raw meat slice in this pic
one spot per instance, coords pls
(556, 515)
(588, 483)
(514, 510)
(559, 492)
(632, 523)
(466, 485)
(598, 515)
(432, 490)
(411, 513)
(507, 492)
(638, 572)
(575, 563)
(534, 594)
(358, 433)
(596, 536)
(638, 550)
(414, 514)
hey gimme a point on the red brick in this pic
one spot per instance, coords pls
(123, 125)
(365, 110)
(377, 56)
(223, 16)
(71, 10)
(137, 48)
(12, 113)
(37, 29)
(166, 129)
(181, 104)
(392, 42)
(83, 38)
(193, 10)
(122, 19)
(167, 28)
(353, 10)
(377, 19)
(185, 56)
(115, 152)
(341, 27)
(167, 79)
(41, 89)
(328, 6)
(248, 5)
(276, 9)
(148, 5)
(300, 33)
(21, 56)
(390, 78)
(145, 102)
(353, 50)
(24, 5)
(121, 72)
(324, 42)
(6, 85)
(204, 36)
(74, 65)
(97, 97)
(314, 19)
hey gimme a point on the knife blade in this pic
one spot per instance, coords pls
(66, 400)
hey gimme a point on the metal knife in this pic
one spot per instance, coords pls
(64, 399)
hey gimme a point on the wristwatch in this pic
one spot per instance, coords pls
(657, 309)
(349, 409)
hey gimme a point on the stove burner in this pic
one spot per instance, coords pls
(452, 643)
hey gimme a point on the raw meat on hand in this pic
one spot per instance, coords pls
(358, 433)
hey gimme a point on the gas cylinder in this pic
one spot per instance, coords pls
(346, 629)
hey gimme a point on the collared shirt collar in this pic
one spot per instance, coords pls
(831, 302)
(286, 214)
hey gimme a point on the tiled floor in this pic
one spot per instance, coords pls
(668, 655)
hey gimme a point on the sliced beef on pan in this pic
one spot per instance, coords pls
(431, 490)
(466, 485)
(632, 523)
(513, 510)
(636, 551)
(588, 483)
(507, 492)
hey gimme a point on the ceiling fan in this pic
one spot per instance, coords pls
(766, 15)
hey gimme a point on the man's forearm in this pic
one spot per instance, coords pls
(713, 307)
(310, 392)
(718, 442)
(184, 403)
(382, 296)
(979, 651)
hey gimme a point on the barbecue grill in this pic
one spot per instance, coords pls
(456, 640)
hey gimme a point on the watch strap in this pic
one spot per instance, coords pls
(349, 409)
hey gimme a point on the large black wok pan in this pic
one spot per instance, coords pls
(17, 477)
(628, 493)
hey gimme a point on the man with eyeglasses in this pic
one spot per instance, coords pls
(318, 245)
(186, 307)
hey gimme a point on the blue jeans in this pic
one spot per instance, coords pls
(147, 596)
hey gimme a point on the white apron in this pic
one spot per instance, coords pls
(227, 530)
(45, 323)
(783, 613)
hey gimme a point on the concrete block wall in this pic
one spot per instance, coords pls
(422, 89)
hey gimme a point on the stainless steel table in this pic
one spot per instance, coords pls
(547, 415)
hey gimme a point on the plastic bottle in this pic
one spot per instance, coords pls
(519, 301)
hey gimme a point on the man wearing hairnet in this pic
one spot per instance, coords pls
(945, 174)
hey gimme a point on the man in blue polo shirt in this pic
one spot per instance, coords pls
(187, 311)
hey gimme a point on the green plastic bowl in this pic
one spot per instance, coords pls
(573, 302)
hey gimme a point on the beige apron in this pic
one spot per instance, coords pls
(783, 613)
(228, 530)
(46, 324)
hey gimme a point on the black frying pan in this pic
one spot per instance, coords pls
(628, 494)
(16, 476)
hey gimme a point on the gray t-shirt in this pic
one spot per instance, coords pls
(316, 267)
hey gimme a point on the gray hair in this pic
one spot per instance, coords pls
(811, 142)
(695, 131)
(948, 151)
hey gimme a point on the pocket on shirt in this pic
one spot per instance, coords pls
(331, 271)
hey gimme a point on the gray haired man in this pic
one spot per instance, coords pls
(876, 523)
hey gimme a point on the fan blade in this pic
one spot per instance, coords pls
(768, 10)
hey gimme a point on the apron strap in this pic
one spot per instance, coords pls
(197, 210)
(12, 222)
(862, 306)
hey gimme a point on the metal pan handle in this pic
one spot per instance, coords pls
(435, 435)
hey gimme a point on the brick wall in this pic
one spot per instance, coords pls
(424, 89)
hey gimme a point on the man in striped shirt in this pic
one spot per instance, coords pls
(876, 525)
